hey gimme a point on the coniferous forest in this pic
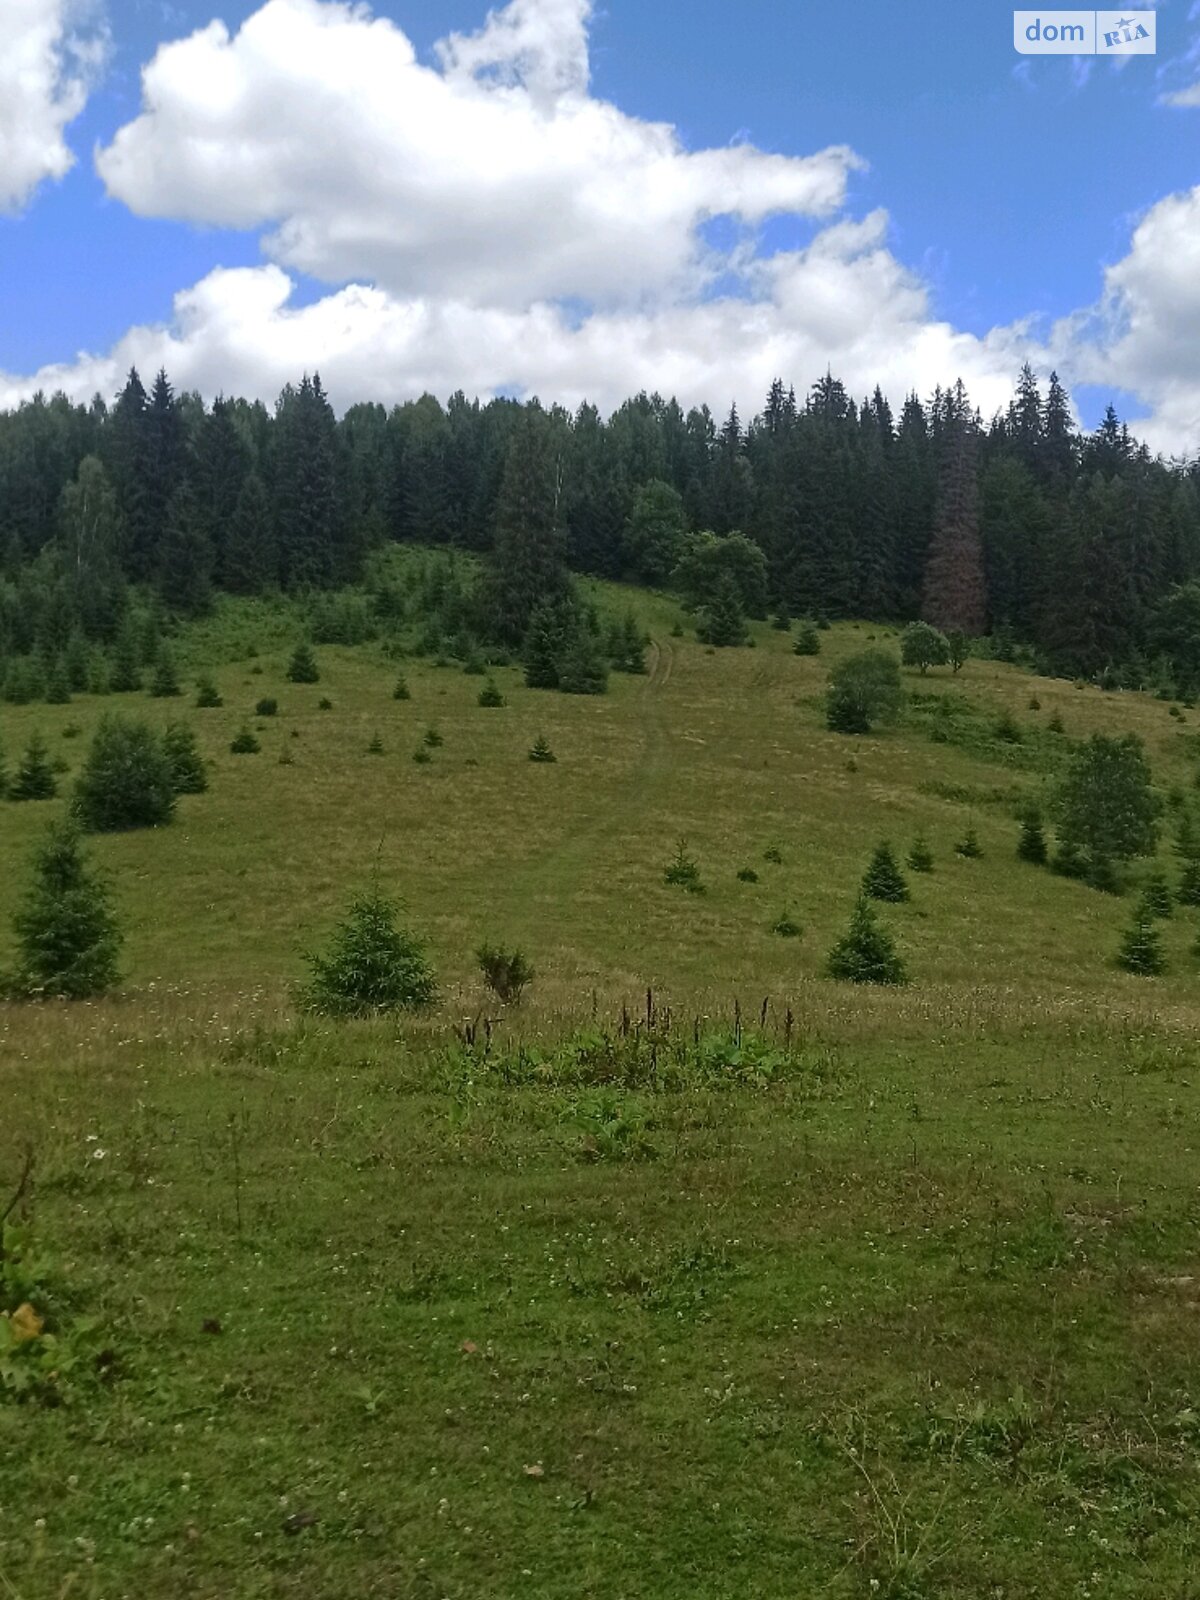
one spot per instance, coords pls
(1078, 552)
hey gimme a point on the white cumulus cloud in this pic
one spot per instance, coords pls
(49, 56)
(497, 179)
(488, 223)
(1144, 333)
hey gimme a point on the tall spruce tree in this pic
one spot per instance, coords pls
(67, 937)
(527, 566)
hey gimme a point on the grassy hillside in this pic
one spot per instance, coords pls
(899, 1299)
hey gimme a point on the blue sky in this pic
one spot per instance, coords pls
(1009, 182)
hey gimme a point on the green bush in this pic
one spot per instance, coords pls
(244, 743)
(506, 972)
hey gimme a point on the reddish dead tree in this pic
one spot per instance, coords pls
(955, 588)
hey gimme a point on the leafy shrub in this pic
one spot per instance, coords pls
(863, 689)
(747, 875)
(924, 647)
(506, 972)
(126, 780)
(371, 965)
(268, 707)
(786, 926)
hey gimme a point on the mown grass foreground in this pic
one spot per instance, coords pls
(897, 1296)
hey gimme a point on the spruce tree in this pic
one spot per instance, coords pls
(67, 936)
(249, 561)
(164, 684)
(541, 751)
(920, 857)
(527, 567)
(126, 673)
(1141, 948)
(185, 556)
(34, 778)
(371, 966)
(883, 879)
(244, 743)
(808, 639)
(77, 659)
(865, 953)
(1188, 892)
(581, 668)
(126, 781)
(543, 645)
(1031, 846)
(58, 686)
(208, 697)
(302, 668)
(188, 774)
(682, 871)
(1157, 900)
(490, 696)
(722, 621)
(969, 846)
(630, 655)
(401, 690)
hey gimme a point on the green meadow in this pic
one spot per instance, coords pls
(697, 1274)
